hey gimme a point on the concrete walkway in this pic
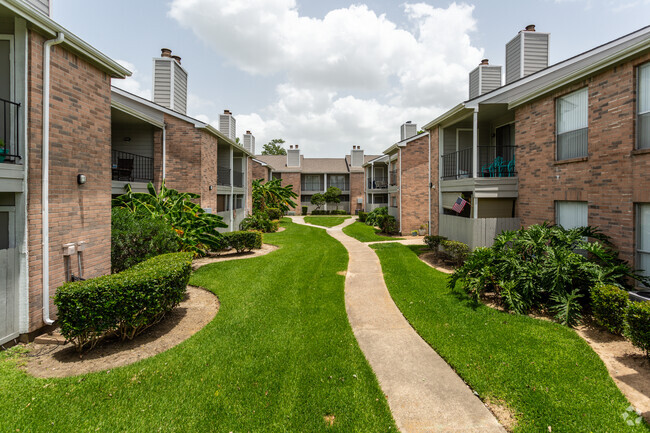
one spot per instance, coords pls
(424, 393)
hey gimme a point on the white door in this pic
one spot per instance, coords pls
(8, 283)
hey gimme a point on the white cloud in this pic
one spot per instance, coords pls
(350, 78)
(135, 84)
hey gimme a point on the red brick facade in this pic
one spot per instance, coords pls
(356, 192)
(80, 143)
(293, 179)
(259, 171)
(414, 184)
(611, 179)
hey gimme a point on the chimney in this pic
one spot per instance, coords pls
(356, 157)
(484, 78)
(228, 125)
(293, 156)
(526, 53)
(408, 130)
(44, 6)
(249, 142)
(170, 82)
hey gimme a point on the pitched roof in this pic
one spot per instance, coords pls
(312, 165)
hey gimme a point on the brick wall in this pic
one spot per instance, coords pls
(610, 180)
(80, 142)
(435, 176)
(157, 158)
(414, 184)
(183, 149)
(208, 163)
(293, 179)
(356, 191)
(259, 171)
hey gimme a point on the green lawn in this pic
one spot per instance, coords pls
(365, 233)
(278, 357)
(543, 371)
(326, 221)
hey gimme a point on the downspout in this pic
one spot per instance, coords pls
(430, 185)
(232, 191)
(400, 191)
(45, 189)
(164, 150)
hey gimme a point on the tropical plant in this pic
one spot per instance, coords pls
(272, 194)
(259, 221)
(274, 147)
(332, 195)
(317, 200)
(545, 267)
(197, 229)
(375, 217)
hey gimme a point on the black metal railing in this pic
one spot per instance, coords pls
(9, 131)
(342, 186)
(312, 186)
(493, 161)
(378, 183)
(393, 178)
(223, 176)
(237, 178)
(131, 167)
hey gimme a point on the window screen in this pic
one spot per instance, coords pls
(571, 124)
(643, 118)
(571, 214)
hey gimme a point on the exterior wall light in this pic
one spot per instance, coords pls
(81, 179)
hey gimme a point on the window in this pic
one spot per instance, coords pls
(339, 181)
(643, 109)
(643, 241)
(223, 203)
(311, 182)
(571, 214)
(571, 124)
(239, 201)
(393, 200)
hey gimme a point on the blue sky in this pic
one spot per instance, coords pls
(330, 75)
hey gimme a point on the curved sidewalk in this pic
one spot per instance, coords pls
(424, 393)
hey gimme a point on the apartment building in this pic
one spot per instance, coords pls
(567, 143)
(310, 176)
(55, 121)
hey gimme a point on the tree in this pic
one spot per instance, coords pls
(272, 194)
(274, 147)
(318, 200)
(332, 196)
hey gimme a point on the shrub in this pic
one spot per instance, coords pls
(244, 240)
(304, 210)
(609, 305)
(375, 217)
(433, 241)
(124, 304)
(458, 251)
(388, 224)
(259, 221)
(363, 216)
(136, 238)
(638, 325)
(274, 213)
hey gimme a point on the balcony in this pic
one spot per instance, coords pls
(311, 186)
(223, 176)
(131, 167)
(493, 162)
(238, 178)
(343, 186)
(378, 183)
(393, 178)
(9, 131)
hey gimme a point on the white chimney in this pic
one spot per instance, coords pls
(483, 79)
(526, 53)
(228, 125)
(170, 82)
(408, 130)
(44, 6)
(293, 156)
(249, 142)
(356, 156)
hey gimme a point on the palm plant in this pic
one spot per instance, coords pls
(272, 194)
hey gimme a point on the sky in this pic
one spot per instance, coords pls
(329, 75)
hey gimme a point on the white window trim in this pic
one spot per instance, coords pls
(637, 250)
(638, 102)
(557, 114)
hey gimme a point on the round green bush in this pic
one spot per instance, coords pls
(638, 325)
(609, 305)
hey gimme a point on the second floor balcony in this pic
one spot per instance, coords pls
(9, 131)
(493, 162)
(393, 178)
(223, 176)
(130, 167)
(378, 183)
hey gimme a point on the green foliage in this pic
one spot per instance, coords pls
(388, 225)
(272, 194)
(274, 147)
(544, 267)
(363, 216)
(259, 221)
(365, 233)
(273, 213)
(135, 239)
(638, 325)
(433, 241)
(304, 210)
(458, 251)
(243, 241)
(375, 217)
(332, 195)
(123, 304)
(317, 200)
(329, 212)
(196, 229)
(325, 221)
(609, 305)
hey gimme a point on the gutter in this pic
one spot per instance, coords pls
(45, 173)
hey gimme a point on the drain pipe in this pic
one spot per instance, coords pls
(164, 150)
(430, 185)
(400, 190)
(45, 190)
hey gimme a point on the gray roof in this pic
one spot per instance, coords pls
(312, 165)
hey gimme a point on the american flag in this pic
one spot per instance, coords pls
(459, 205)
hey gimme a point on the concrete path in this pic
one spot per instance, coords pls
(424, 393)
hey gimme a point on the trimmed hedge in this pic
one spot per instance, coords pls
(258, 221)
(123, 304)
(434, 241)
(638, 325)
(458, 251)
(609, 305)
(329, 212)
(244, 240)
(274, 213)
(363, 216)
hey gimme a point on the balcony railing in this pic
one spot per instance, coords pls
(312, 186)
(9, 131)
(493, 161)
(341, 186)
(393, 178)
(131, 167)
(378, 183)
(223, 176)
(238, 178)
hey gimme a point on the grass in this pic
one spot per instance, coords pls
(544, 372)
(325, 221)
(279, 356)
(365, 233)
